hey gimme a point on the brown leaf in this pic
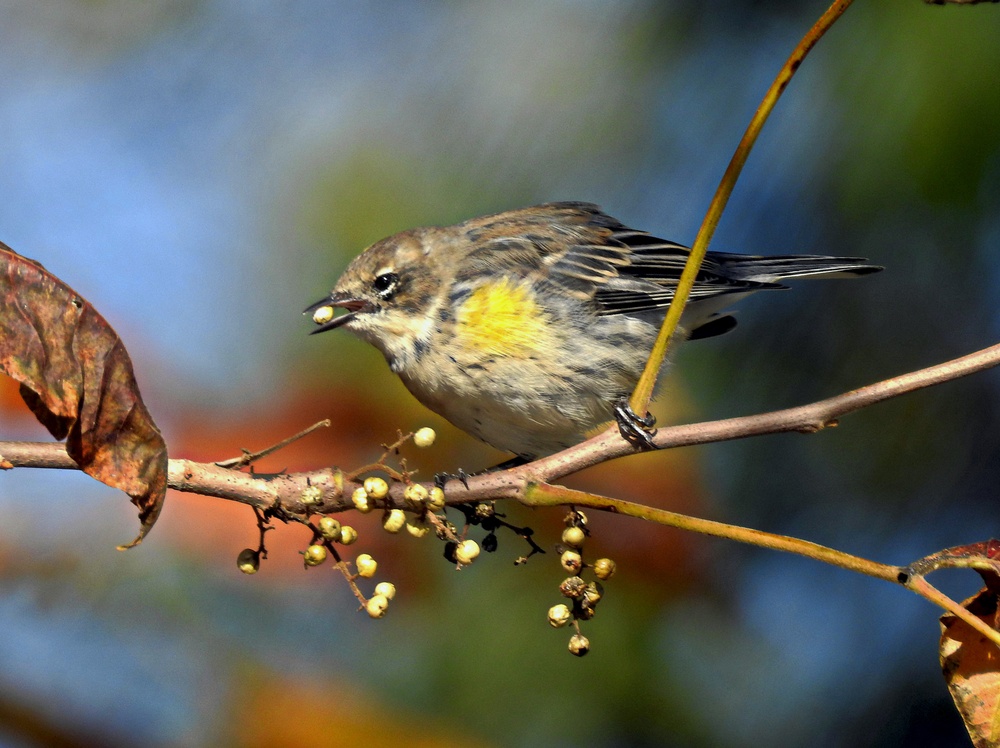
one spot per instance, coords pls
(77, 378)
(971, 662)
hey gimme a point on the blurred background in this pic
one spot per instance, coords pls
(201, 170)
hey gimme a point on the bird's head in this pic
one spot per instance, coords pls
(389, 293)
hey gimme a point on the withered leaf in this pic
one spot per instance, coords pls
(77, 378)
(970, 661)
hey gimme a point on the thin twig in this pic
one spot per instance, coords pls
(342, 566)
(248, 458)
(263, 525)
(804, 418)
(919, 584)
(538, 494)
(442, 528)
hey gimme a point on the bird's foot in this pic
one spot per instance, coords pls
(636, 430)
(441, 478)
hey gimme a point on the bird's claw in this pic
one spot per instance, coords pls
(441, 478)
(636, 430)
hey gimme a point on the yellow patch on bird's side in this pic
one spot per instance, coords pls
(502, 319)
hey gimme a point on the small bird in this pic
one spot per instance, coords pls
(527, 328)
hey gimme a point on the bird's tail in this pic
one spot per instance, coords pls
(773, 268)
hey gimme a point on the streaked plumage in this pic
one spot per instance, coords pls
(524, 328)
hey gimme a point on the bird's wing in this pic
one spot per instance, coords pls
(650, 278)
(585, 253)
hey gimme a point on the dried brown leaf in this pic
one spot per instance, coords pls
(77, 378)
(970, 661)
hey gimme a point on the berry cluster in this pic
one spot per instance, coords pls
(421, 512)
(583, 595)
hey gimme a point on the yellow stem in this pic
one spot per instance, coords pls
(925, 589)
(644, 389)
(544, 494)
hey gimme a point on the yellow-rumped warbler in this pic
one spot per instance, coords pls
(526, 328)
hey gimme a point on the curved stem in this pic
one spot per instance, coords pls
(543, 494)
(644, 389)
(926, 590)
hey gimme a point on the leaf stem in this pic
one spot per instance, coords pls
(919, 584)
(644, 388)
(544, 494)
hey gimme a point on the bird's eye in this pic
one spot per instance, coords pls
(385, 284)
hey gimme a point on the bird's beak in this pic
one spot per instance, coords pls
(323, 311)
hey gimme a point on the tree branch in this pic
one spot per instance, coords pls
(284, 491)
(805, 419)
(293, 496)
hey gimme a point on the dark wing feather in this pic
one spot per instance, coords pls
(649, 280)
(587, 254)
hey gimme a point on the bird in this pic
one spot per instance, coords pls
(529, 328)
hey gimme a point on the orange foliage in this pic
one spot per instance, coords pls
(276, 713)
